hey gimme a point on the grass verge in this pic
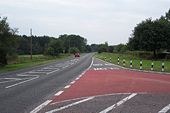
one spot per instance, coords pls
(24, 61)
(146, 65)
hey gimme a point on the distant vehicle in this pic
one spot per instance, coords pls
(77, 54)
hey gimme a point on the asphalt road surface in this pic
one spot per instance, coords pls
(84, 85)
(21, 91)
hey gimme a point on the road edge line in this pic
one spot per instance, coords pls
(118, 103)
(38, 108)
(165, 109)
(69, 105)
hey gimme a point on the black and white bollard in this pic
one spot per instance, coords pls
(124, 62)
(141, 64)
(152, 66)
(163, 66)
(118, 61)
(131, 63)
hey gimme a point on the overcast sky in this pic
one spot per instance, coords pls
(96, 20)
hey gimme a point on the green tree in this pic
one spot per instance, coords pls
(74, 50)
(7, 40)
(120, 48)
(150, 35)
(55, 47)
(103, 47)
(76, 41)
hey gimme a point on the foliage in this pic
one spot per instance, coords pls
(135, 61)
(39, 44)
(76, 41)
(120, 48)
(7, 40)
(103, 47)
(151, 35)
(74, 50)
(55, 48)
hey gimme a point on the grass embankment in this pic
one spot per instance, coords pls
(24, 61)
(146, 65)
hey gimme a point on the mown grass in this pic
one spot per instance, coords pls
(146, 65)
(24, 61)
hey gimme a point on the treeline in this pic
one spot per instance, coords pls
(12, 44)
(148, 36)
(151, 35)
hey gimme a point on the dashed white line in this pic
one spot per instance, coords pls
(37, 109)
(59, 93)
(165, 109)
(67, 86)
(69, 105)
(72, 82)
(21, 82)
(77, 78)
(119, 103)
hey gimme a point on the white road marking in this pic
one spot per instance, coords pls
(25, 75)
(93, 96)
(9, 80)
(32, 72)
(37, 109)
(72, 82)
(69, 105)
(59, 93)
(66, 66)
(53, 71)
(21, 82)
(77, 78)
(118, 103)
(108, 64)
(67, 86)
(97, 64)
(165, 109)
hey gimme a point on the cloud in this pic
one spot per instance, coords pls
(96, 20)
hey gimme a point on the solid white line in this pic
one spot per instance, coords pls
(165, 109)
(53, 71)
(59, 93)
(9, 80)
(93, 96)
(119, 103)
(67, 86)
(24, 75)
(69, 105)
(32, 72)
(21, 82)
(37, 109)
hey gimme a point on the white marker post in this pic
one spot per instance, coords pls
(131, 63)
(118, 61)
(141, 64)
(124, 62)
(163, 66)
(152, 66)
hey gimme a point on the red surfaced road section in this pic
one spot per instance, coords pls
(116, 81)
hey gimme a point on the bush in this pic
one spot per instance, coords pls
(74, 50)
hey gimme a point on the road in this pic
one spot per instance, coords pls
(23, 90)
(84, 85)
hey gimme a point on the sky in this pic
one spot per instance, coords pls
(98, 21)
